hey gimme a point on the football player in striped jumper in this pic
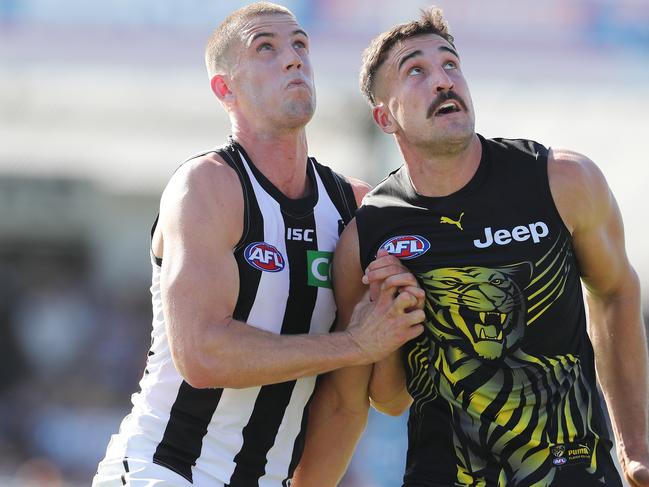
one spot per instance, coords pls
(242, 293)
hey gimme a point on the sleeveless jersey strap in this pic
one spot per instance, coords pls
(340, 191)
(231, 157)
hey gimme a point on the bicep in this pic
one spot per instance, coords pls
(600, 247)
(199, 279)
(347, 275)
(588, 208)
(348, 384)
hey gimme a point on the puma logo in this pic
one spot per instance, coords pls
(457, 223)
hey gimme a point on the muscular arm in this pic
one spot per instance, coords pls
(338, 413)
(201, 216)
(387, 387)
(588, 208)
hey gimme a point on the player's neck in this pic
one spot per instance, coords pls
(442, 174)
(281, 157)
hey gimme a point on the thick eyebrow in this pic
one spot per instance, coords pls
(448, 49)
(411, 55)
(261, 34)
(271, 34)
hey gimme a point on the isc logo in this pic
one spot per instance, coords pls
(264, 257)
(406, 246)
(305, 234)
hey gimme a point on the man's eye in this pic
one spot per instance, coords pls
(450, 65)
(415, 70)
(264, 47)
(299, 45)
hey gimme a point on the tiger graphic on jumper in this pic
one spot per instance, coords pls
(508, 408)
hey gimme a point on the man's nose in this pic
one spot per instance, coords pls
(442, 81)
(292, 59)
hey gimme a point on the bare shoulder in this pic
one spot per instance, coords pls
(205, 193)
(348, 240)
(347, 256)
(578, 187)
(207, 178)
(347, 271)
(361, 188)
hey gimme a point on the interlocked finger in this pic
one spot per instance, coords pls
(418, 292)
(396, 281)
(404, 301)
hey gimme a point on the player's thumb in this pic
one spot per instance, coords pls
(639, 474)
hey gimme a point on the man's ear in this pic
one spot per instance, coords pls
(220, 88)
(383, 118)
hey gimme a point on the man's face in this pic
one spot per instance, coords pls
(423, 91)
(272, 78)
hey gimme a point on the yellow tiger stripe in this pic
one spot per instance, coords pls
(504, 415)
(548, 268)
(560, 271)
(550, 294)
(561, 437)
(593, 458)
(532, 320)
(556, 242)
(570, 424)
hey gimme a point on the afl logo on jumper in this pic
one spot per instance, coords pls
(406, 246)
(264, 257)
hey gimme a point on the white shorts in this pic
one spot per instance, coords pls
(136, 473)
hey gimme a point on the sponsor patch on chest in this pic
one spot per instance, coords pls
(406, 246)
(319, 268)
(534, 231)
(264, 256)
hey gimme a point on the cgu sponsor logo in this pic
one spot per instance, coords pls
(264, 256)
(319, 268)
(406, 246)
(535, 231)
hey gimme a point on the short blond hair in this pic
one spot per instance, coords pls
(218, 46)
(431, 21)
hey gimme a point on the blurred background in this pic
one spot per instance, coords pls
(100, 101)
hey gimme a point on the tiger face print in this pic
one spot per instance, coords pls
(477, 309)
(508, 408)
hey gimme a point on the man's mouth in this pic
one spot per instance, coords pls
(446, 108)
(296, 83)
(445, 104)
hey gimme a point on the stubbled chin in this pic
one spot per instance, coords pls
(298, 113)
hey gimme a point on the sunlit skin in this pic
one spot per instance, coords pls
(421, 77)
(265, 84)
(271, 77)
(269, 96)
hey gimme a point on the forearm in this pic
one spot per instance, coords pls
(238, 355)
(620, 345)
(387, 388)
(336, 422)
